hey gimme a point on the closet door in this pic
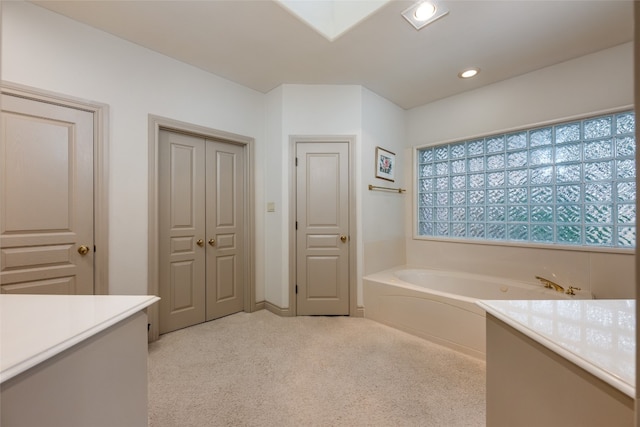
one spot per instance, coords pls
(225, 229)
(201, 236)
(181, 218)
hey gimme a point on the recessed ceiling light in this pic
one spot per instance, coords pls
(423, 13)
(467, 74)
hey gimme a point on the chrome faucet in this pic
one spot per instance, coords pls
(549, 284)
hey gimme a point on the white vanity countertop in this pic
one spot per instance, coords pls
(597, 335)
(34, 328)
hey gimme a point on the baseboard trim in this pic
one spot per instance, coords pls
(259, 306)
(282, 312)
(286, 312)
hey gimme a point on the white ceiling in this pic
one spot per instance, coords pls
(261, 45)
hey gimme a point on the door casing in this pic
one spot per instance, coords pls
(100, 171)
(155, 124)
(353, 237)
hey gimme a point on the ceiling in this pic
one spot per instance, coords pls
(261, 45)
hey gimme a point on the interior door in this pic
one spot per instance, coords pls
(46, 198)
(201, 235)
(225, 231)
(181, 185)
(322, 212)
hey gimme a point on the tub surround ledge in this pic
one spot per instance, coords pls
(596, 335)
(560, 362)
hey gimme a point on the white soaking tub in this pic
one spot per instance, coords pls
(441, 305)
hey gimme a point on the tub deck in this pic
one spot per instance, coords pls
(452, 320)
(456, 324)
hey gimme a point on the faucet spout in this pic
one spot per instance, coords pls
(549, 284)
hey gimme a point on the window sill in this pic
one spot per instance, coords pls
(576, 248)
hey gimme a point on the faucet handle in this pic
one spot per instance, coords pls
(549, 284)
(571, 290)
(544, 281)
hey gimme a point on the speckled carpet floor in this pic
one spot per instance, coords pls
(260, 369)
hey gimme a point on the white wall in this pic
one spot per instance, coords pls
(383, 229)
(332, 110)
(47, 51)
(586, 85)
(300, 110)
(275, 249)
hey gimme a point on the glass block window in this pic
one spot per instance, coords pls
(567, 184)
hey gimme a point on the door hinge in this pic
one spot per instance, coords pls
(296, 225)
(296, 289)
(296, 161)
(94, 248)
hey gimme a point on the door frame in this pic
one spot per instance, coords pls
(100, 170)
(353, 226)
(157, 123)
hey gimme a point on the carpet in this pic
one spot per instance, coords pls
(260, 369)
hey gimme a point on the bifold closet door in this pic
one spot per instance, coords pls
(201, 235)
(181, 218)
(225, 229)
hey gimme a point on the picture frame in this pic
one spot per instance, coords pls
(385, 164)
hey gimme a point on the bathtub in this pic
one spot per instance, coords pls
(440, 305)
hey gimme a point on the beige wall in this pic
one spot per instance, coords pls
(594, 83)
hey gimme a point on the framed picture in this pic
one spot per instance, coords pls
(385, 164)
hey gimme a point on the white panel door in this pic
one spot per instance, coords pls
(322, 212)
(181, 219)
(46, 198)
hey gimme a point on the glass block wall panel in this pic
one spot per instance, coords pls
(568, 184)
(496, 232)
(457, 151)
(626, 213)
(625, 123)
(627, 237)
(476, 230)
(567, 133)
(495, 144)
(542, 233)
(459, 229)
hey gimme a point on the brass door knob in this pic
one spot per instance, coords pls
(200, 242)
(83, 250)
(343, 238)
(212, 242)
